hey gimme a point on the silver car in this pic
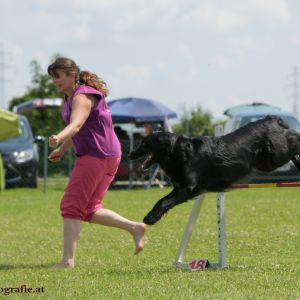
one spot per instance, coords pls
(241, 115)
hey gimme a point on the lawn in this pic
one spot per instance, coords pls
(263, 248)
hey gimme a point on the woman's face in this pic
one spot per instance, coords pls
(64, 82)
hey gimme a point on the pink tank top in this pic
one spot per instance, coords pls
(96, 137)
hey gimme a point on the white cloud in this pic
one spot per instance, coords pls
(102, 4)
(240, 50)
(208, 15)
(295, 40)
(15, 70)
(141, 71)
(188, 65)
(236, 14)
(82, 32)
(65, 32)
(135, 71)
(223, 61)
(157, 14)
(270, 9)
(185, 51)
(241, 46)
(134, 16)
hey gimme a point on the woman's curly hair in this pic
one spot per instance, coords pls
(82, 77)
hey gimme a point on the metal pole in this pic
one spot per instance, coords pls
(130, 149)
(221, 230)
(45, 163)
(295, 93)
(189, 229)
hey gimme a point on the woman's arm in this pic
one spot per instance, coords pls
(81, 108)
(66, 145)
(59, 152)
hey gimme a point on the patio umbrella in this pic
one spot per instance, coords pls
(139, 110)
(9, 124)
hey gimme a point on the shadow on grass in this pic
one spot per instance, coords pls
(139, 271)
(143, 270)
(246, 268)
(155, 270)
(7, 267)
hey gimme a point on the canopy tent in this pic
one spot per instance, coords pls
(38, 103)
(9, 124)
(139, 110)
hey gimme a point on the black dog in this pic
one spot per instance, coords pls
(198, 165)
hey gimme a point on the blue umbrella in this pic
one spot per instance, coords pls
(139, 110)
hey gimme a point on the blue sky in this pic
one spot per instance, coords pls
(179, 52)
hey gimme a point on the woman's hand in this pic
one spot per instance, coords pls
(53, 141)
(56, 155)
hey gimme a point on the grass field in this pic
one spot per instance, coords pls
(263, 248)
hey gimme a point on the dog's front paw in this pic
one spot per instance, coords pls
(149, 220)
(152, 218)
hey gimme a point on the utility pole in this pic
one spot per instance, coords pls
(295, 91)
(186, 120)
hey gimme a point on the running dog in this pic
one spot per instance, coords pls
(213, 164)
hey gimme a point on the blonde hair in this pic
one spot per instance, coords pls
(82, 77)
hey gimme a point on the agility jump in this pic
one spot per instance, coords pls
(201, 264)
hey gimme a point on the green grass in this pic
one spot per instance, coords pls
(263, 248)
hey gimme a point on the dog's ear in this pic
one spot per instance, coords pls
(165, 145)
(188, 147)
(184, 148)
(197, 143)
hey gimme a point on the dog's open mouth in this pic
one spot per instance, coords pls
(147, 162)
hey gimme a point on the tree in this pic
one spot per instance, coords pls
(43, 121)
(195, 123)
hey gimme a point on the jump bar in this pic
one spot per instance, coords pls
(264, 185)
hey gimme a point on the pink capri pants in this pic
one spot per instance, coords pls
(89, 181)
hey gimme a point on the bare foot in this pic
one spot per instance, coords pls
(139, 237)
(63, 265)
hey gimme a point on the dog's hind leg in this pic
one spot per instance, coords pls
(296, 161)
(176, 197)
(294, 146)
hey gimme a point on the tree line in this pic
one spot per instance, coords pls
(44, 122)
(196, 122)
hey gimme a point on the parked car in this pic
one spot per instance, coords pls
(20, 157)
(241, 115)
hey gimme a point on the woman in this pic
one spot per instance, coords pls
(89, 129)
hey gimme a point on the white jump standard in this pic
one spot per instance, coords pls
(200, 263)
